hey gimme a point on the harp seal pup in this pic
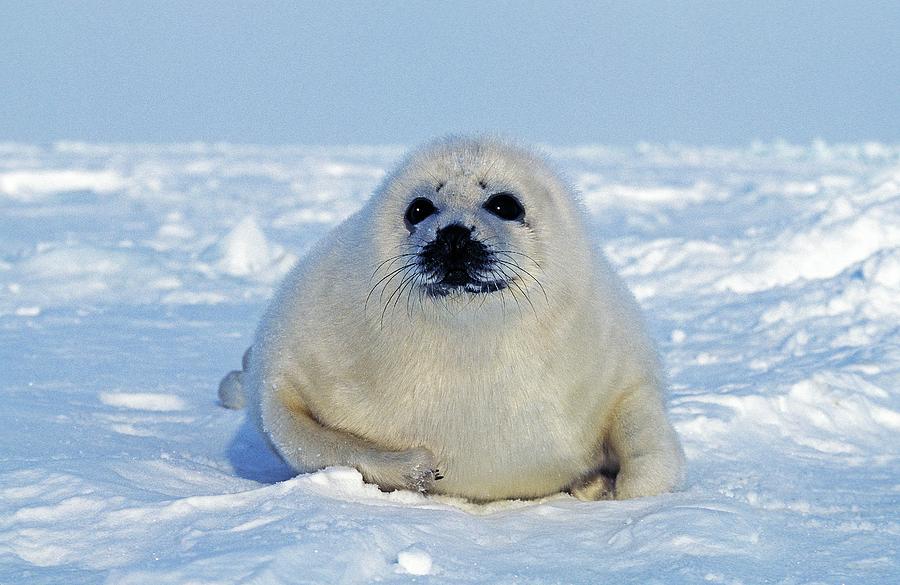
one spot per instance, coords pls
(462, 334)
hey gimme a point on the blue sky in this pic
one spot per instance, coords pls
(717, 73)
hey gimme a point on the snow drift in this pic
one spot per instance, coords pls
(132, 277)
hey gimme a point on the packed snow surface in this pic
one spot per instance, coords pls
(132, 278)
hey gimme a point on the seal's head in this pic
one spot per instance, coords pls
(464, 218)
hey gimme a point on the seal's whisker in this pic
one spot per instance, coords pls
(507, 252)
(421, 294)
(404, 284)
(415, 285)
(511, 291)
(388, 302)
(390, 276)
(487, 241)
(414, 243)
(391, 260)
(488, 170)
(483, 299)
(471, 300)
(536, 281)
(433, 177)
(517, 267)
(391, 279)
(502, 302)
(515, 282)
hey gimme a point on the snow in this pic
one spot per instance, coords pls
(414, 561)
(245, 251)
(132, 278)
(29, 185)
(143, 401)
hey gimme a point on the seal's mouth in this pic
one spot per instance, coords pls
(455, 262)
(443, 289)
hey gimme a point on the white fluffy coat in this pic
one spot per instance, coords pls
(519, 393)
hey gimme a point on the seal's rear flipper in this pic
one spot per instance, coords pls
(231, 390)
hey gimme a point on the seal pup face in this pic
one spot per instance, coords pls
(456, 260)
(469, 222)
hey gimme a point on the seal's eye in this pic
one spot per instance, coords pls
(419, 209)
(505, 206)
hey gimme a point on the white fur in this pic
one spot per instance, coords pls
(512, 394)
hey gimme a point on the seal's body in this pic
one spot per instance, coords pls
(462, 335)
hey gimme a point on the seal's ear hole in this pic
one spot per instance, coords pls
(419, 209)
(505, 206)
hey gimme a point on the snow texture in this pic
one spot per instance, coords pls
(132, 277)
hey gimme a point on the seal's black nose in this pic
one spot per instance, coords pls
(454, 241)
(454, 258)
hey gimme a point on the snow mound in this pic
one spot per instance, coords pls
(245, 252)
(848, 230)
(414, 561)
(70, 273)
(143, 401)
(598, 196)
(839, 414)
(36, 184)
